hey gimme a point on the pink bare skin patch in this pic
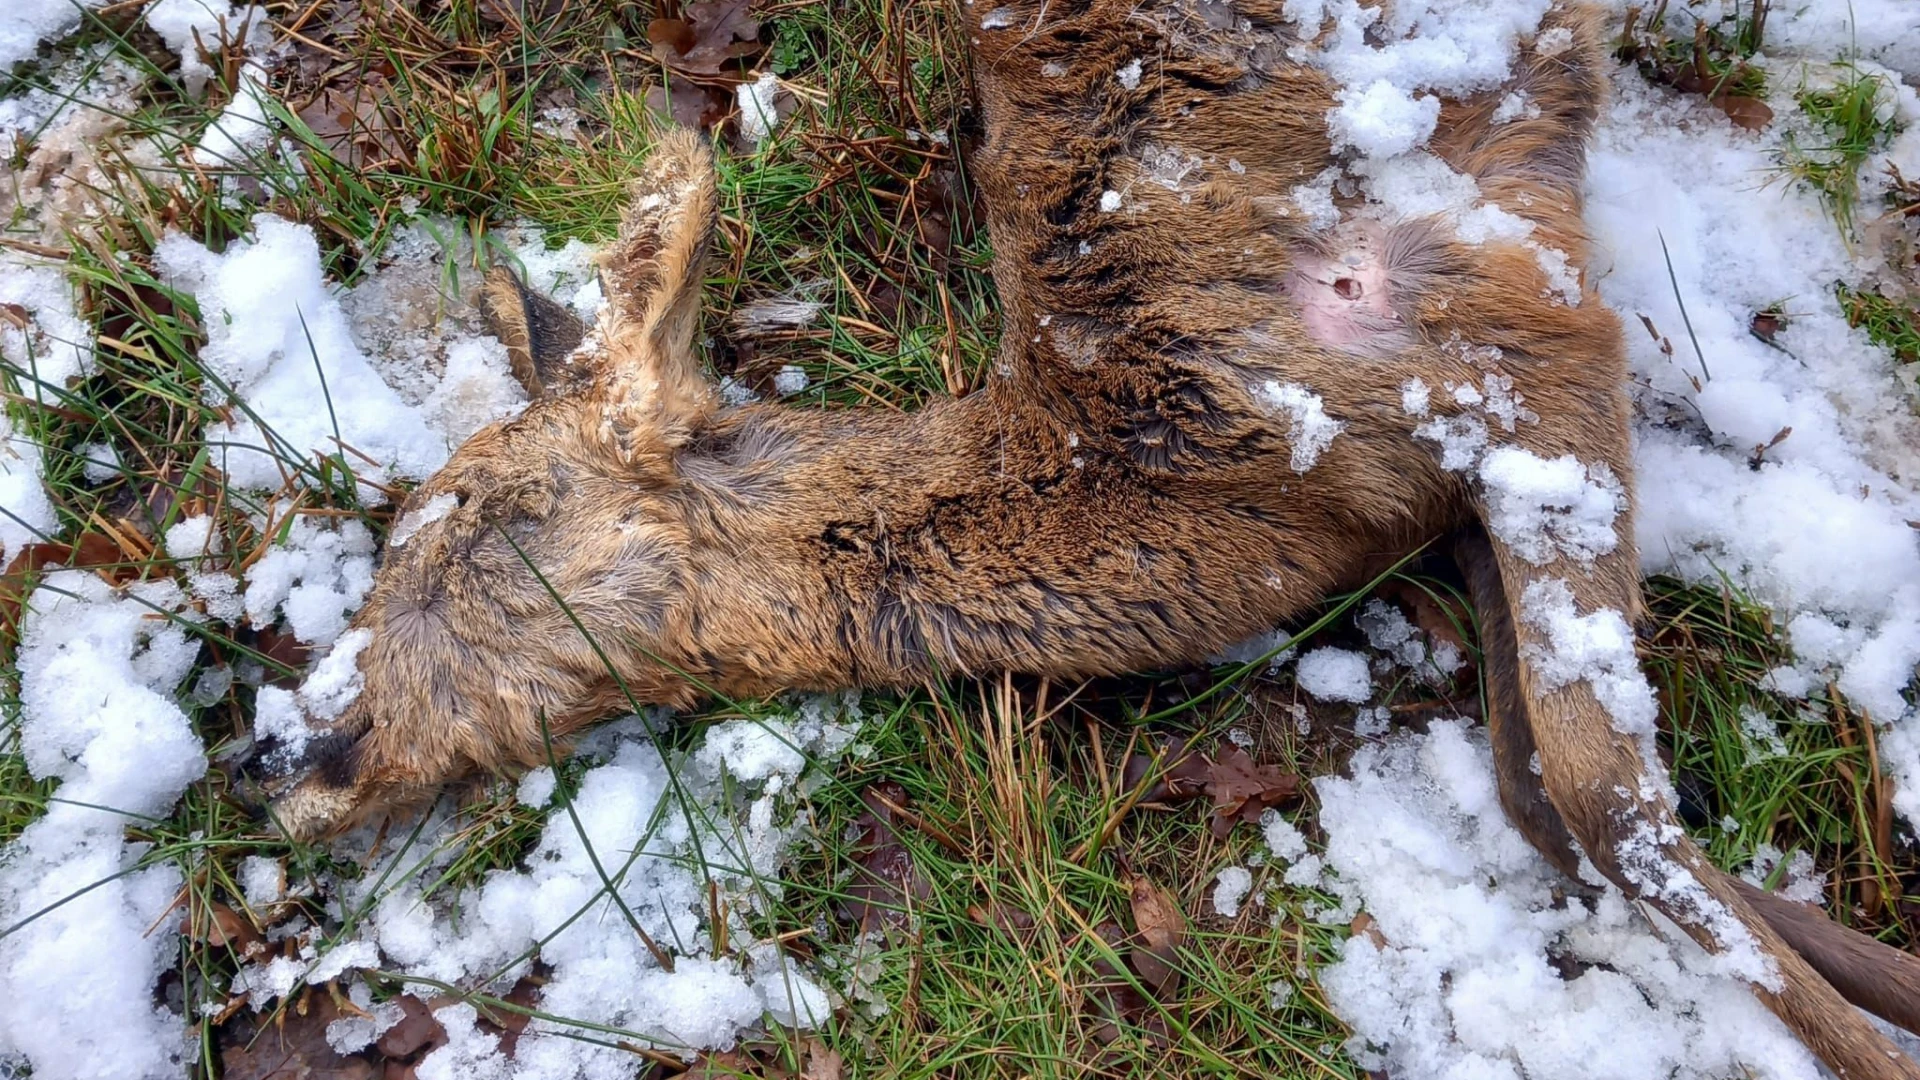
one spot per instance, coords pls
(1346, 299)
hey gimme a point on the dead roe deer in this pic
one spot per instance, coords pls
(1206, 416)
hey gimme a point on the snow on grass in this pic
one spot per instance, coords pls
(1818, 529)
(98, 676)
(662, 826)
(277, 338)
(192, 28)
(29, 22)
(1332, 674)
(1487, 968)
(55, 347)
(29, 513)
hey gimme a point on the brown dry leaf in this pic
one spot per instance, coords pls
(416, 1035)
(711, 33)
(293, 1049)
(1745, 112)
(886, 883)
(1160, 928)
(1766, 325)
(1243, 790)
(1363, 924)
(689, 104)
(287, 651)
(222, 927)
(1183, 772)
(353, 125)
(1114, 997)
(526, 994)
(90, 550)
(822, 1062)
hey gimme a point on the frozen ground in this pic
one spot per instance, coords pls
(1464, 978)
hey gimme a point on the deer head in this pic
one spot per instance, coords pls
(542, 537)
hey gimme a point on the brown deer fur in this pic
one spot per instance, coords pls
(1122, 494)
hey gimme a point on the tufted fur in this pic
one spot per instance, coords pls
(1134, 488)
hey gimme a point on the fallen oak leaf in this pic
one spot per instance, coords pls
(1179, 772)
(1749, 113)
(89, 551)
(295, 1048)
(223, 928)
(689, 104)
(1159, 930)
(1242, 789)
(886, 882)
(712, 33)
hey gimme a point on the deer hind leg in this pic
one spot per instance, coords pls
(1875, 976)
(1569, 698)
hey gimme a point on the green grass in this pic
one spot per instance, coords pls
(1847, 128)
(1889, 323)
(1015, 790)
(1755, 768)
(1000, 969)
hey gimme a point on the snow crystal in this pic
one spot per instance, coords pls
(1461, 439)
(261, 881)
(97, 677)
(790, 380)
(191, 538)
(102, 462)
(1315, 200)
(238, 137)
(1332, 674)
(277, 338)
(1596, 647)
(316, 578)
(1478, 931)
(1799, 880)
(1544, 509)
(28, 22)
(758, 117)
(1309, 429)
(425, 514)
(1283, 840)
(1382, 120)
(476, 389)
(536, 788)
(1129, 75)
(1230, 891)
(1515, 106)
(1109, 201)
(335, 681)
(752, 749)
(1415, 397)
(29, 513)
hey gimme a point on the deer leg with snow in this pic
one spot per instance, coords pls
(1206, 416)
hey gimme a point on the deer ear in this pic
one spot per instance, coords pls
(540, 335)
(652, 275)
